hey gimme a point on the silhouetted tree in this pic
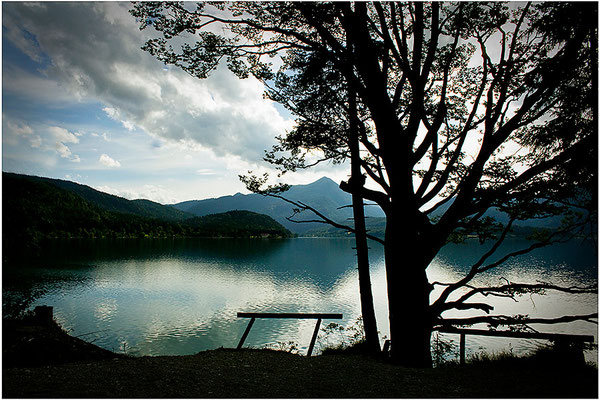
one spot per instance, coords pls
(462, 108)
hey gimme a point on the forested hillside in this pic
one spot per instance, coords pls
(109, 202)
(35, 209)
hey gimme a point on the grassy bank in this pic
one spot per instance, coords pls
(260, 373)
(229, 373)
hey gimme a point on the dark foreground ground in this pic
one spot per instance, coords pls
(227, 373)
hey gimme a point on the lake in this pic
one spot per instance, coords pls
(181, 296)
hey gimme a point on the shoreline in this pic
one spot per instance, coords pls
(86, 371)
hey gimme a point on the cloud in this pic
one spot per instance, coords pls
(47, 138)
(19, 129)
(15, 131)
(108, 162)
(94, 48)
(104, 136)
(205, 172)
(27, 85)
(22, 39)
(65, 152)
(156, 193)
(62, 150)
(62, 135)
(36, 141)
(58, 137)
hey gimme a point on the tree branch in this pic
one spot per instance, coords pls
(324, 219)
(498, 320)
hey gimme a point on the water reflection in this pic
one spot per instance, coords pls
(570, 264)
(158, 297)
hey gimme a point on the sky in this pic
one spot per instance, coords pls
(81, 101)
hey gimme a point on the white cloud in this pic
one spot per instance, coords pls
(19, 129)
(102, 62)
(104, 136)
(73, 177)
(58, 137)
(111, 112)
(14, 131)
(46, 138)
(108, 162)
(205, 172)
(62, 135)
(62, 149)
(203, 132)
(36, 141)
(156, 193)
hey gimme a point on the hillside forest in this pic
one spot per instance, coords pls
(35, 209)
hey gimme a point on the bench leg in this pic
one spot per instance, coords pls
(462, 348)
(314, 337)
(246, 332)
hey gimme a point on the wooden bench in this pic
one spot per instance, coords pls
(316, 316)
(556, 337)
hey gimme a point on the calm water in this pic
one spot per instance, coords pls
(174, 297)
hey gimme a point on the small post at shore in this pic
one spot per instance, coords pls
(44, 314)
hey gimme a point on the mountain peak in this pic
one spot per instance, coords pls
(325, 179)
(321, 182)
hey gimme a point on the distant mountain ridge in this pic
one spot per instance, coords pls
(323, 195)
(35, 209)
(109, 202)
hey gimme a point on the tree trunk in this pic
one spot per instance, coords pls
(364, 277)
(360, 233)
(406, 260)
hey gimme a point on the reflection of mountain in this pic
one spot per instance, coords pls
(323, 195)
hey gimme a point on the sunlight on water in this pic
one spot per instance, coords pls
(181, 297)
(564, 265)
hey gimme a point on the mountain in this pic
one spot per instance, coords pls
(236, 224)
(324, 195)
(526, 225)
(109, 202)
(375, 226)
(34, 209)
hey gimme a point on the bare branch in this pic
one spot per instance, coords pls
(498, 320)
(323, 219)
(474, 270)
(513, 289)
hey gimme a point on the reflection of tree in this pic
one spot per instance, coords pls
(17, 300)
(463, 108)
